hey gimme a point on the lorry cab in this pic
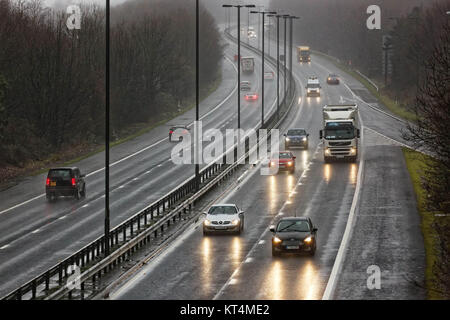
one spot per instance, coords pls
(303, 54)
(313, 87)
(340, 132)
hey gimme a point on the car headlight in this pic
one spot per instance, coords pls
(304, 139)
(207, 222)
(290, 163)
(235, 222)
(309, 90)
(308, 239)
(272, 163)
(287, 139)
(276, 240)
(327, 151)
(353, 150)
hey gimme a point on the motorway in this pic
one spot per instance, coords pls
(242, 267)
(35, 234)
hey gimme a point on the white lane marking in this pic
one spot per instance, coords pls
(35, 231)
(4, 247)
(136, 153)
(86, 205)
(248, 260)
(63, 217)
(338, 262)
(261, 241)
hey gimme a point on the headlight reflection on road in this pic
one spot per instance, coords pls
(275, 280)
(327, 172)
(304, 159)
(236, 251)
(206, 263)
(307, 282)
(273, 193)
(353, 173)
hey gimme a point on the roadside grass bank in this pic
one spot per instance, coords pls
(9, 176)
(416, 162)
(394, 107)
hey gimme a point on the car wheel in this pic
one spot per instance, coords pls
(205, 233)
(77, 194)
(326, 159)
(51, 197)
(83, 193)
(313, 251)
(306, 146)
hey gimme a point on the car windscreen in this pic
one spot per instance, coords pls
(283, 155)
(296, 132)
(339, 132)
(313, 85)
(293, 226)
(64, 174)
(222, 210)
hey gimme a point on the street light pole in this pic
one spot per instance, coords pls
(278, 62)
(263, 13)
(291, 18)
(239, 55)
(285, 16)
(197, 92)
(107, 116)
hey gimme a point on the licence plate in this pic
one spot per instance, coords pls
(52, 184)
(292, 247)
(220, 228)
(339, 156)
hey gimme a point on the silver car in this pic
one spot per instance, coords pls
(223, 218)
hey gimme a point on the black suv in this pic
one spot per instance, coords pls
(65, 182)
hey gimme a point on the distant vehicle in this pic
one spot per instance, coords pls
(223, 217)
(248, 64)
(236, 57)
(252, 34)
(182, 131)
(340, 132)
(245, 85)
(269, 75)
(296, 137)
(286, 161)
(251, 28)
(251, 96)
(303, 54)
(313, 87)
(294, 235)
(332, 79)
(65, 181)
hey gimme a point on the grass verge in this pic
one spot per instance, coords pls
(394, 107)
(415, 162)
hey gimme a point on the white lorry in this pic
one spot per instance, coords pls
(340, 132)
(248, 64)
(313, 87)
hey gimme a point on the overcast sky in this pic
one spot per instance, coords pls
(115, 2)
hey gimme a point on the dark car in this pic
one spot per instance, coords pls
(68, 182)
(296, 137)
(332, 79)
(295, 235)
(182, 131)
(286, 161)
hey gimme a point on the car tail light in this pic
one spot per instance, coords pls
(74, 182)
(171, 131)
(47, 183)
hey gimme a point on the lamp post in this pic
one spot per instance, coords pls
(107, 116)
(278, 62)
(239, 53)
(263, 13)
(291, 18)
(285, 17)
